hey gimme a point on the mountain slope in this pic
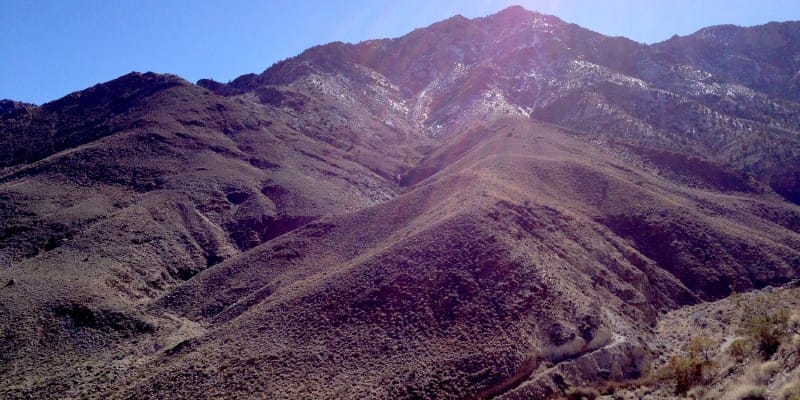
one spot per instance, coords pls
(523, 63)
(503, 206)
(107, 226)
(502, 266)
(762, 58)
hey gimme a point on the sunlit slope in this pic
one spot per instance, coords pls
(514, 263)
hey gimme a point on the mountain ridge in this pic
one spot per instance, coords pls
(550, 114)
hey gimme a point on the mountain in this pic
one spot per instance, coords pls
(499, 207)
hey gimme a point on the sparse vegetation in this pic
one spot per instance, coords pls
(708, 369)
(740, 349)
(702, 347)
(790, 391)
(765, 325)
(686, 372)
(581, 393)
(763, 372)
(749, 392)
(695, 366)
(356, 225)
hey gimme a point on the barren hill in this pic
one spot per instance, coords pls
(498, 207)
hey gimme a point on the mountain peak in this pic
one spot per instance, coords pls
(518, 13)
(457, 21)
(514, 9)
(132, 81)
(517, 18)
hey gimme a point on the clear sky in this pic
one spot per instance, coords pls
(49, 48)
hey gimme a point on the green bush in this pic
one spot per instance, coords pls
(695, 366)
(686, 372)
(766, 328)
(701, 347)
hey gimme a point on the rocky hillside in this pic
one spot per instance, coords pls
(698, 95)
(508, 206)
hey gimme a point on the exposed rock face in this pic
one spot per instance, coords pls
(501, 206)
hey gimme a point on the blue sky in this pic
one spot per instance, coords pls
(51, 48)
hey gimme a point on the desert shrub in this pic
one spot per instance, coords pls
(740, 349)
(794, 322)
(581, 393)
(766, 328)
(701, 347)
(711, 394)
(794, 329)
(686, 372)
(694, 367)
(759, 374)
(789, 392)
(767, 370)
(749, 392)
